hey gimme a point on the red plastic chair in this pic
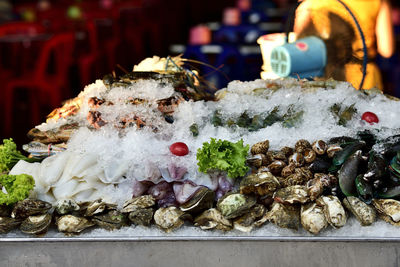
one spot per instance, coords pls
(45, 88)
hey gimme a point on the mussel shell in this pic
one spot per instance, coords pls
(141, 216)
(36, 224)
(7, 224)
(319, 165)
(348, 173)
(341, 156)
(28, 207)
(364, 189)
(73, 224)
(111, 220)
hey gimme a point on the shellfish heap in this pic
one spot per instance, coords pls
(310, 154)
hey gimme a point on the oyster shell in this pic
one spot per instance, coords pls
(203, 199)
(110, 220)
(233, 205)
(313, 218)
(284, 216)
(72, 224)
(389, 209)
(36, 225)
(364, 213)
(97, 206)
(246, 222)
(141, 216)
(260, 147)
(7, 224)
(261, 184)
(141, 202)
(213, 219)
(292, 194)
(28, 207)
(169, 219)
(65, 206)
(334, 211)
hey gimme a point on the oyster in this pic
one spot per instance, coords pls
(66, 206)
(246, 222)
(285, 216)
(364, 213)
(36, 225)
(260, 147)
(203, 199)
(141, 216)
(334, 211)
(292, 194)
(169, 219)
(72, 224)
(28, 207)
(213, 219)
(141, 202)
(233, 205)
(7, 224)
(313, 218)
(97, 206)
(261, 184)
(110, 220)
(389, 209)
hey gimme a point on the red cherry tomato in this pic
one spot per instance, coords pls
(179, 149)
(370, 117)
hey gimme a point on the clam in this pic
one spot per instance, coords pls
(260, 147)
(110, 220)
(292, 194)
(203, 199)
(261, 184)
(36, 224)
(285, 216)
(319, 147)
(169, 219)
(276, 167)
(65, 206)
(364, 213)
(334, 211)
(246, 222)
(288, 170)
(28, 207)
(213, 219)
(233, 205)
(141, 216)
(309, 155)
(141, 202)
(313, 218)
(7, 224)
(72, 224)
(301, 145)
(297, 159)
(389, 209)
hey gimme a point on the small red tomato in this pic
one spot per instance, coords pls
(179, 149)
(370, 117)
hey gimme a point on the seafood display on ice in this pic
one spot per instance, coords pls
(153, 148)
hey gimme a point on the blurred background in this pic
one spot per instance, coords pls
(51, 49)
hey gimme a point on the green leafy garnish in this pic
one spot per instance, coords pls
(9, 156)
(223, 155)
(17, 187)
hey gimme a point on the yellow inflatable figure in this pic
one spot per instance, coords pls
(333, 23)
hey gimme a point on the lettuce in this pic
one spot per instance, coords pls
(18, 188)
(223, 155)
